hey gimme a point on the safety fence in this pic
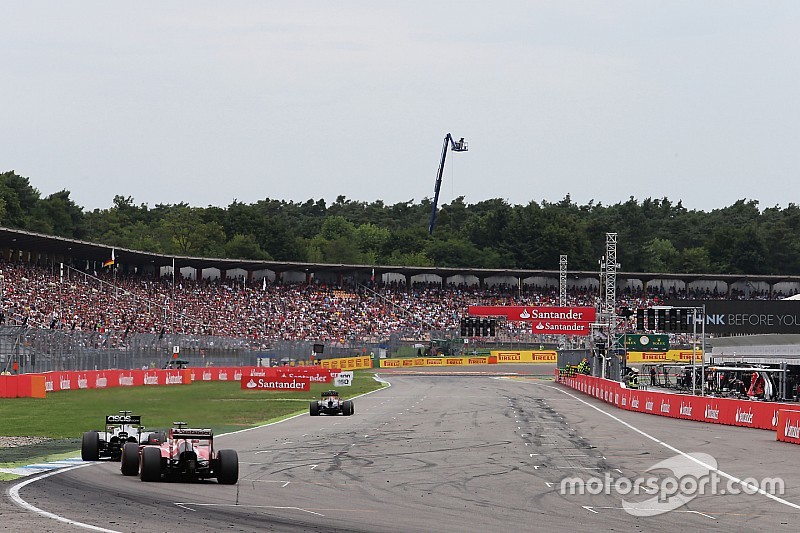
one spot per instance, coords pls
(726, 411)
(32, 349)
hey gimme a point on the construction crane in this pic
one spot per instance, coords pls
(456, 146)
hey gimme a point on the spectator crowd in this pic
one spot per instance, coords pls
(35, 296)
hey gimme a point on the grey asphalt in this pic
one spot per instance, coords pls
(462, 452)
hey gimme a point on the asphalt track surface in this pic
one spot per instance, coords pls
(436, 452)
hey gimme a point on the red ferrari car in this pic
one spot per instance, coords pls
(185, 453)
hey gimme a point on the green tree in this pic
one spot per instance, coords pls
(19, 200)
(59, 215)
(245, 247)
(659, 255)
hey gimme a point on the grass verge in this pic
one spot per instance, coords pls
(222, 406)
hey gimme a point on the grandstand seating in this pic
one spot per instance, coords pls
(38, 297)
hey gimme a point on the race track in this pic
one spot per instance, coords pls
(445, 453)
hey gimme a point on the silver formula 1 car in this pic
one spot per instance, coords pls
(119, 429)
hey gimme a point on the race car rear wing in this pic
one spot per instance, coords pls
(133, 420)
(187, 433)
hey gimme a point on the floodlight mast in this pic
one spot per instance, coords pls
(456, 146)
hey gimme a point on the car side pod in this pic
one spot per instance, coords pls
(227, 467)
(129, 462)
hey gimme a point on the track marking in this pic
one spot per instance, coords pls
(675, 450)
(186, 506)
(13, 492)
(592, 508)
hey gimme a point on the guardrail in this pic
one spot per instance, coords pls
(726, 411)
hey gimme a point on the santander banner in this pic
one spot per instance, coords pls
(552, 320)
(275, 383)
(101, 379)
(310, 373)
(789, 426)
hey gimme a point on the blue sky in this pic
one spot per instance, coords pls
(207, 102)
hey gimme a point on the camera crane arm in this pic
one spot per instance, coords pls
(456, 146)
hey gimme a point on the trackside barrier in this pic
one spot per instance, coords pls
(22, 386)
(434, 361)
(347, 363)
(727, 411)
(789, 426)
(37, 385)
(495, 357)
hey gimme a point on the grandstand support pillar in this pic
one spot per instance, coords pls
(339, 279)
(278, 276)
(308, 277)
(482, 283)
(249, 277)
(198, 274)
(223, 274)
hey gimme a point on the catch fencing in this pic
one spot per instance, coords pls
(34, 349)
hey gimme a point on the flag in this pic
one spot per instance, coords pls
(264, 284)
(373, 275)
(110, 261)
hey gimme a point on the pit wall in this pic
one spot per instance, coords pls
(746, 413)
(38, 385)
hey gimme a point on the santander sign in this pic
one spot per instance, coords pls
(553, 320)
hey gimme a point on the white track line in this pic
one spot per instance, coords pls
(750, 486)
(13, 492)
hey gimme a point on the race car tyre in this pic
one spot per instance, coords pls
(129, 464)
(90, 446)
(151, 464)
(228, 466)
(347, 408)
(314, 409)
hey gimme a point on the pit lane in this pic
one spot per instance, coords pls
(476, 452)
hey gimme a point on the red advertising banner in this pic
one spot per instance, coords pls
(519, 313)
(310, 373)
(745, 413)
(560, 327)
(275, 384)
(788, 426)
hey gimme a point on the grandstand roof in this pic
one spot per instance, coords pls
(82, 250)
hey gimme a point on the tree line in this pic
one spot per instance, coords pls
(653, 235)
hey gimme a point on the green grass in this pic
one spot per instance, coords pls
(222, 406)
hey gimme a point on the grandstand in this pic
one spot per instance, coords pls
(62, 310)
